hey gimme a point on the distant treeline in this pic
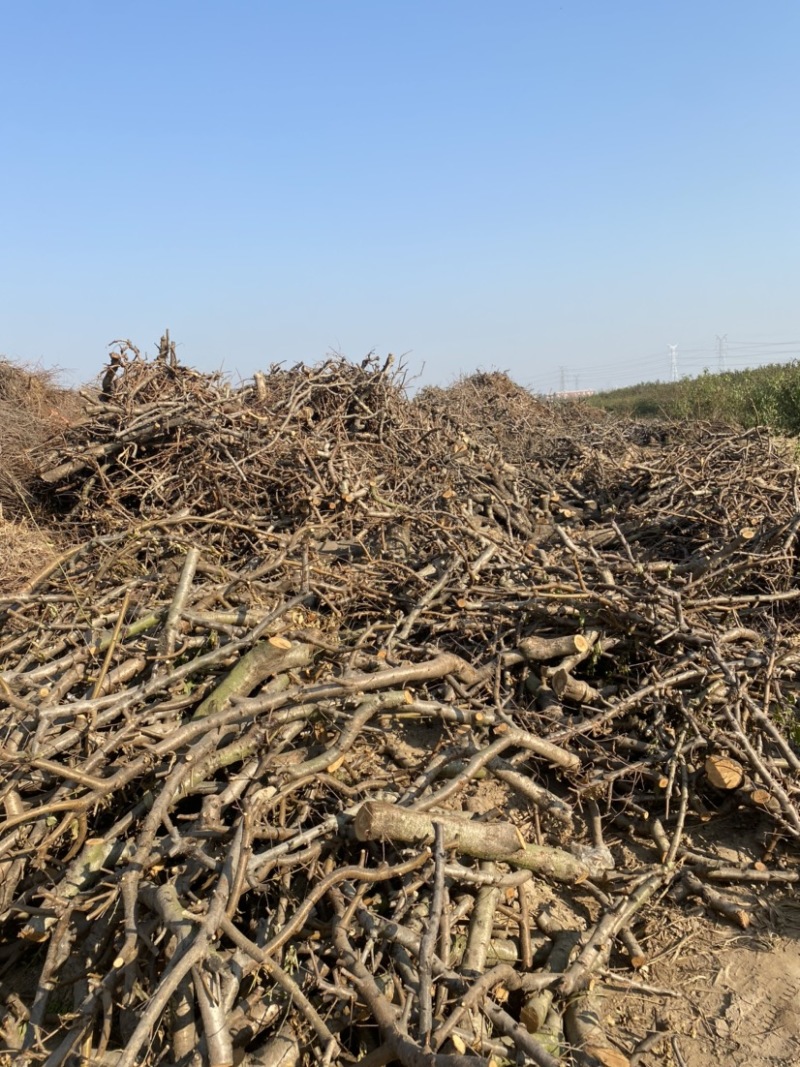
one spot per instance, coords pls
(768, 395)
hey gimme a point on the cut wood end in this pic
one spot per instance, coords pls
(277, 641)
(560, 680)
(764, 799)
(32, 933)
(607, 1056)
(531, 1016)
(724, 772)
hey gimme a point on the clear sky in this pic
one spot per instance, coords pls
(523, 186)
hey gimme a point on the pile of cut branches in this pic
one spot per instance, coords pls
(356, 728)
(34, 410)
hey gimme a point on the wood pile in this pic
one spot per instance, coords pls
(356, 728)
(34, 411)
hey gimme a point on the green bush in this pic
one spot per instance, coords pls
(764, 396)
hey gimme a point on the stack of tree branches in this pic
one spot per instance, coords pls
(34, 412)
(342, 714)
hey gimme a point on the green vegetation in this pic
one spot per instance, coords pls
(768, 396)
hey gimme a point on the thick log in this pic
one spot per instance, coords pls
(538, 649)
(378, 821)
(264, 660)
(568, 688)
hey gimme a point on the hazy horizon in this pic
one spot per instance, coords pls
(556, 190)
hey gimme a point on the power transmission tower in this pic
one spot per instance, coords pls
(563, 379)
(722, 351)
(673, 358)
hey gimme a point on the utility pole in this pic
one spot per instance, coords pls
(673, 358)
(722, 351)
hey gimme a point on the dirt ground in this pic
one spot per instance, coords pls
(730, 997)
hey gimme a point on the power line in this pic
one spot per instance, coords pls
(725, 355)
(764, 344)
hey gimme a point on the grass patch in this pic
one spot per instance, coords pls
(764, 396)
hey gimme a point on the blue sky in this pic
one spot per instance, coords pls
(527, 186)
